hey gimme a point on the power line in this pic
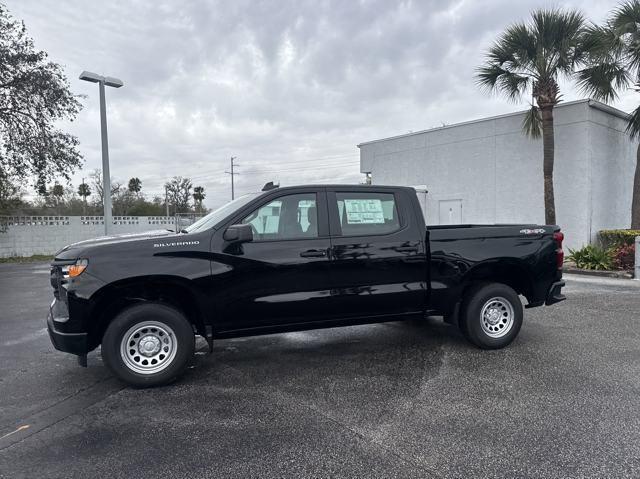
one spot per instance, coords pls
(278, 170)
(330, 161)
(259, 168)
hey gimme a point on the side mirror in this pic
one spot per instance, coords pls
(238, 234)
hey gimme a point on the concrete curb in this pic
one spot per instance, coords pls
(613, 282)
(600, 274)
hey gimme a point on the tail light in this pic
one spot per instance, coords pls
(558, 237)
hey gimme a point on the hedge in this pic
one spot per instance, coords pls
(609, 238)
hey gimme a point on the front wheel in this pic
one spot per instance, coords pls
(148, 344)
(491, 315)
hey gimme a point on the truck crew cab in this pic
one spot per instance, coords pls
(289, 259)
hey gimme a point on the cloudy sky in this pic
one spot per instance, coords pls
(288, 87)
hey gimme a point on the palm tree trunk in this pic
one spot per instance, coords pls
(548, 148)
(635, 202)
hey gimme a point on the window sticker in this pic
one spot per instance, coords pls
(364, 212)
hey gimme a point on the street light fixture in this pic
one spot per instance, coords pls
(106, 178)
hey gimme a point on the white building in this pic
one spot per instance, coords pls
(488, 171)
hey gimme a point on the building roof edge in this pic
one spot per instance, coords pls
(592, 103)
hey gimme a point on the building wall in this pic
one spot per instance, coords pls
(29, 235)
(613, 163)
(496, 171)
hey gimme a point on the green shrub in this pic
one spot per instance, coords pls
(591, 257)
(609, 238)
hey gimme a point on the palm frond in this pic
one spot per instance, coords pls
(487, 76)
(603, 80)
(509, 67)
(600, 42)
(513, 85)
(514, 50)
(559, 35)
(521, 45)
(625, 23)
(493, 77)
(633, 124)
(626, 18)
(532, 123)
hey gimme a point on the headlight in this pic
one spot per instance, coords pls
(75, 269)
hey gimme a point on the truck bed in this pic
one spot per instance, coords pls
(527, 254)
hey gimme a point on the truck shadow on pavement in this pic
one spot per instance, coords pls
(387, 349)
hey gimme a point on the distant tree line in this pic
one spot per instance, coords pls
(87, 198)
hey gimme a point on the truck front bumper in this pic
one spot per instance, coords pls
(74, 343)
(555, 293)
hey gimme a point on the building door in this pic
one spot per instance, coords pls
(450, 212)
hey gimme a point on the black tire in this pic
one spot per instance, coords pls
(157, 326)
(502, 320)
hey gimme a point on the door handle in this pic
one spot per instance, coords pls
(313, 253)
(407, 249)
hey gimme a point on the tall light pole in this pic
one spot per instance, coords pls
(106, 178)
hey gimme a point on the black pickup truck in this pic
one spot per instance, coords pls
(291, 259)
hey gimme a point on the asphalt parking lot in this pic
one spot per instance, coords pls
(406, 399)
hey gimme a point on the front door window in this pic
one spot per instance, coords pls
(285, 218)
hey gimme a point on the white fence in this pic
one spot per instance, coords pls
(29, 235)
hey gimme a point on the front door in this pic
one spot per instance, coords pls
(378, 255)
(282, 276)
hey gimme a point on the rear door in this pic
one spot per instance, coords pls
(378, 254)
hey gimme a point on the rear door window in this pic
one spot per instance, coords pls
(363, 213)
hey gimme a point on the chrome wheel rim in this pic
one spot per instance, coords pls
(496, 317)
(148, 347)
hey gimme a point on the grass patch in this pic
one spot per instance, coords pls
(36, 258)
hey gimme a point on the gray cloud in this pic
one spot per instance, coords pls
(288, 87)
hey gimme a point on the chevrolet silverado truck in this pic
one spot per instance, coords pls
(289, 259)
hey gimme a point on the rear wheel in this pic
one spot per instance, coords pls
(148, 344)
(492, 315)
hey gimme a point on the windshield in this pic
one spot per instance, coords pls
(221, 213)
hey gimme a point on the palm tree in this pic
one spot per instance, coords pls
(530, 58)
(84, 190)
(614, 64)
(198, 196)
(135, 185)
(57, 192)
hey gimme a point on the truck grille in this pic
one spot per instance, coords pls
(58, 280)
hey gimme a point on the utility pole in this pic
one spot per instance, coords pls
(232, 173)
(166, 199)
